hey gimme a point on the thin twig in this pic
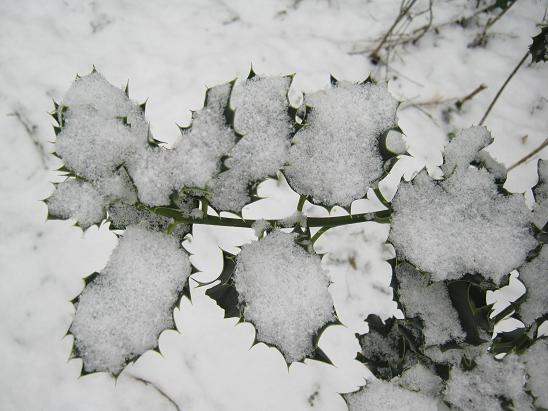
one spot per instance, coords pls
(160, 391)
(470, 96)
(403, 11)
(503, 86)
(531, 154)
(459, 101)
(412, 38)
(418, 33)
(399, 73)
(481, 39)
(424, 29)
(31, 132)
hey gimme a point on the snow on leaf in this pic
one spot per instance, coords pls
(431, 303)
(462, 224)
(383, 395)
(488, 384)
(336, 156)
(534, 275)
(283, 292)
(262, 118)
(123, 309)
(79, 200)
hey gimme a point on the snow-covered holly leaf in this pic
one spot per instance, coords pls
(283, 291)
(384, 395)
(535, 358)
(77, 199)
(429, 302)
(465, 223)
(123, 309)
(265, 123)
(534, 274)
(336, 155)
(488, 384)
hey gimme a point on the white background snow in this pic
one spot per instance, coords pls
(170, 51)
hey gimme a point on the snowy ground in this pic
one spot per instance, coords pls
(170, 52)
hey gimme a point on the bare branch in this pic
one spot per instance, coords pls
(403, 12)
(530, 155)
(160, 391)
(502, 87)
(30, 129)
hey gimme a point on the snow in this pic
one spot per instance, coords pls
(382, 395)
(536, 358)
(377, 347)
(431, 303)
(534, 275)
(93, 95)
(418, 378)
(297, 218)
(259, 227)
(461, 224)
(284, 292)
(79, 200)
(453, 356)
(117, 187)
(491, 380)
(463, 149)
(335, 157)
(122, 311)
(395, 142)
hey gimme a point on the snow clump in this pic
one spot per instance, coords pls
(431, 303)
(487, 384)
(79, 200)
(534, 276)
(418, 378)
(260, 226)
(383, 395)
(536, 359)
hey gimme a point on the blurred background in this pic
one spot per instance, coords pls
(445, 60)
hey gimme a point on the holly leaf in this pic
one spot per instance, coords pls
(539, 47)
(390, 347)
(225, 293)
(468, 297)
